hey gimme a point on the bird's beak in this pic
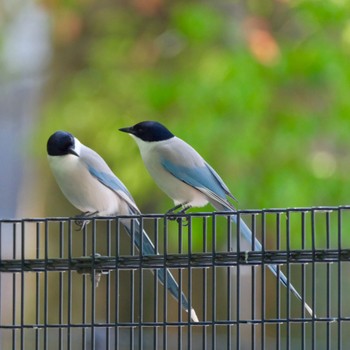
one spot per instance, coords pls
(72, 151)
(129, 130)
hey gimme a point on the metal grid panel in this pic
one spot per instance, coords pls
(91, 289)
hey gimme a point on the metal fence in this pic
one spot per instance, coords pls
(92, 289)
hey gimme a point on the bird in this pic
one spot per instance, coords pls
(91, 186)
(182, 173)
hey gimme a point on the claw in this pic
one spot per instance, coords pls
(82, 223)
(185, 207)
(183, 221)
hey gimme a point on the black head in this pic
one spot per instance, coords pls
(61, 143)
(149, 131)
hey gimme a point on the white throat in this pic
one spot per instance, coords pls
(77, 146)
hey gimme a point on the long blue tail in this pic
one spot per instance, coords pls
(247, 233)
(148, 249)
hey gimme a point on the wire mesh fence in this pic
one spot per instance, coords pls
(92, 289)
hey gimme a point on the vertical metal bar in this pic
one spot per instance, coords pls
(132, 289)
(278, 290)
(189, 331)
(22, 284)
(60, 287)
(46, 287)
(328, 283)
(313, 287)
(140, 316)
(253, 282)
(263, 304)
(37, 290)
(303, 276)
(69, 287)
(179, 306)
(140, 325)
(14, 285)
(116, 284)
(288, 336)
(155, 287)
(93, 286)
(165, 306)
(229, 283)
(1, 284)
(340, 301)
(108, 288)
(238, 294)
(205, 284)
(213, 287)
(84, 292)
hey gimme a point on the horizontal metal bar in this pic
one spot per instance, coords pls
(317, 209)
(256, 321)
(108, 263)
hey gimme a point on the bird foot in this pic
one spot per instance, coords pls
(81, 223)
(180, 220)
(177, 216)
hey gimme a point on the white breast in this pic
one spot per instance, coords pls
(180, 192)
(83, 190)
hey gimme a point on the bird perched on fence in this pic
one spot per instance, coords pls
(180, 171)
(90, 185)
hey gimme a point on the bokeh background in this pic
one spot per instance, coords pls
(259, 88)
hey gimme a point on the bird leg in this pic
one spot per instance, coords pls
(172, 210)
(184, 206)
(82, 223)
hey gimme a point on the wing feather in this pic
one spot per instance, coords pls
(203, 178)
(106, 176)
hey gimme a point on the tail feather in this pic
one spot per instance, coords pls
(282, 277)
(148, 249)
(247, 233)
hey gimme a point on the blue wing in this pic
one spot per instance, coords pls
(220, 181)
(204, 178)
(109, 180)
(113, 183)
(99, 169)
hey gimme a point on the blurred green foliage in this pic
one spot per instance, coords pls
(260, 89)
